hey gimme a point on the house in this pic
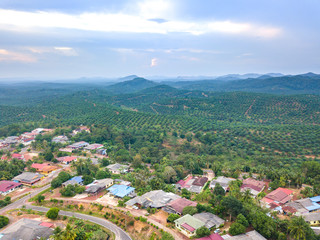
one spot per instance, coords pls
(98, 185)
(11, 140)
(67, 159)
(80, 129)
(208, 173)
(188, 225)
(73, 181)
(177, 206)
(60, 139)
(102, 151)
(302, 206)
(153, 199)
(28, 178)
(223, 181)
(192, 184)
(8, 186)
(43, 168)
(254, 186)
(213, 236)
(312, 218)
(17, 156)
(121, 190)
(210, 220)
(118, 168)
(27, 229)
(94, 146)
(277, 198)
(78, 145)
(252, 235)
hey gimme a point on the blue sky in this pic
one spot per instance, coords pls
(99, 38)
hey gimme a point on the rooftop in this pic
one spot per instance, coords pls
(209, 219)
(189, 222)
(120, 190)
(179, 204)
(28, 177)
(8, 185)
(213, 236)
(314, 216)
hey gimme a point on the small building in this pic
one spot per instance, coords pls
(188, 225)
(94, 146)
(254, 186)
(118, 168)
(28, 178)
(43, 168)
(192, 184)
(312, 218)
(67, 159)
(213, 236)
(223, 181)
(121, 191)
(177, 206)
(102, 151)
(73, 181)
(278, 197)
(17, 156)
(27, 229)
(208, 173)
(210, 220)
(78, 145)
(302, 206)
(80, 129)
(98, 185)
(252, 235)
(153, 199)
(8, 186)
(60, 139)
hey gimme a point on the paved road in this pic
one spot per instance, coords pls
(120, 234)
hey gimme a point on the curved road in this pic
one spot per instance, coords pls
(119, 233)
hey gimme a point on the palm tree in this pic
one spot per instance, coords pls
(246, 195)
(297, 228)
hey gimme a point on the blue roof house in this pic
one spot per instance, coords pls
(73, 181)
(121, 190)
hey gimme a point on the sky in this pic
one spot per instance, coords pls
(60, 39)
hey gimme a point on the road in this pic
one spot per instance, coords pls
(119, 233)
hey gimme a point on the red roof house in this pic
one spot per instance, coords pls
(178, 205)
(8, 186)
(253, 185)
(67, 159)
(214, 236)
(278, 197)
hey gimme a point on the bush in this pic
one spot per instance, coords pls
(53, 213)
(236, 229)
(3, 221)
(172, 217)
(202, 232)
(189, 210)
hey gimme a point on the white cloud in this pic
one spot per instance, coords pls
(154, 62)
(129, 23)
(10, 56)
(155, 8)
(66, 51)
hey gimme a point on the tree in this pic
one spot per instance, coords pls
(232, 205)
(242, 220)
(218, 190)
(87, 179)
(169, 174)
(53, 213)
(189, 210)
(99, 235)
(202, 232)
(172, 217)
(40, 198)
(3, 221)
(297, 228)
(236, 229)
(101, 174)
(185, 193)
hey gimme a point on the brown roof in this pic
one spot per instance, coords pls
(179, 204)
(279, 195)
(200, 181)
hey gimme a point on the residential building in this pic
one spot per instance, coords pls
(28, 178)
(223, 181)
(213, 236)
(303, 206)
(78, 145)
(121, 191)
(210, 220)
(177, 206)
(43, 168)
(60, 139)
(73, 181)
(277, 198)
(67, 159)
(252, 235)
(80, 129)
(312, 218)
(8, 186)
(98, 185)
(118, 168)
(188, 225)
(17, 156)
(208, 173)
(102, 151)
(94, 146)
(254, 186)
(192, 184)
(153, 199)
(27, 229)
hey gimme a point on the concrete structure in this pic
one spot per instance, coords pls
(252, 235)
(8, 186)
(302, 206)
(223, 181)
(177, 206)
(208, 173)
(78, 145)
(210, 220)
(98, 185)
(28, 178)
(67, 159)
(60, 139)
(312, 218)
(188, 225)
(27, 229)
(153, 199)
(277, 198)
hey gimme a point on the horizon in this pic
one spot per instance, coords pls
(149, 38)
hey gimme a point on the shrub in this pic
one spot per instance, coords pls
(53, 213)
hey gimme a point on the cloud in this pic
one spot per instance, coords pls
(66, 51)
(128, 23)
(10, 56)
(154, 62)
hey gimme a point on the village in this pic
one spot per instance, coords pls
(180, 212)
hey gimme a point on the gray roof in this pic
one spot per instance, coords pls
(314, 216)
(28, 177)
(153, 199)
(209, 219)
(117, 166)
(252, 235)
(26, 229)
(223, 181)
(95, 188)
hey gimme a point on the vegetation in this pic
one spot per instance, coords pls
(53, 213)
(4, 221)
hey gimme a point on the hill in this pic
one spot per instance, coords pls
(130, 86)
